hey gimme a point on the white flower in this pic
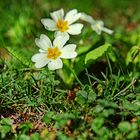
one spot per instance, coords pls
(63, 25)
(96, 25)
(51, 54)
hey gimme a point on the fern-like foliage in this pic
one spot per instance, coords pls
(19, 56)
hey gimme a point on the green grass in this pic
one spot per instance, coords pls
(109, 109)
(103, 102)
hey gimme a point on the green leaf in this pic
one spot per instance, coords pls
(97, 124)
(48, 117)
(79, 64)
(96, 53)
(83, 49)
(104, 133)
(90, 93)
(133, 56)
(107, 112)
(35, 136)
(124, 126)
(62, 136)
(112, 54)
(81, 97)
(6, 121)
(134, 126)
(23, 137)
(5, 126)
(85, 95)
(132, 135)
(26, 126)
(130, 106)
(19, 56)
(91, 96)
(4, 130)
(66, 74)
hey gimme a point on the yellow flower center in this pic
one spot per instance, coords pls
(53, 53)
(62, 25)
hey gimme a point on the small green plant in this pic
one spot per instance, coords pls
(5, 127)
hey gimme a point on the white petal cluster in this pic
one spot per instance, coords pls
(51, 53)
(63, 25)
(96, 25)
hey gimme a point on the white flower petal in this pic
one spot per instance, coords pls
(42, 51)
(87, 18)
(55, 64)
(40, 59)
(68, 51)
(49, 24)
(43, 42)
(72, 16)
(100, 23)
(109, 31)
(98, 26)
(41, 63)
(56, 15)
(75, 29)
(58, 33)
(60, 41)
(71, 13)
(96, 29)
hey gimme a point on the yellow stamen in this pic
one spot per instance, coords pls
(53, 53)
(62, 25)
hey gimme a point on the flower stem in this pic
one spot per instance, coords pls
(77, 79)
